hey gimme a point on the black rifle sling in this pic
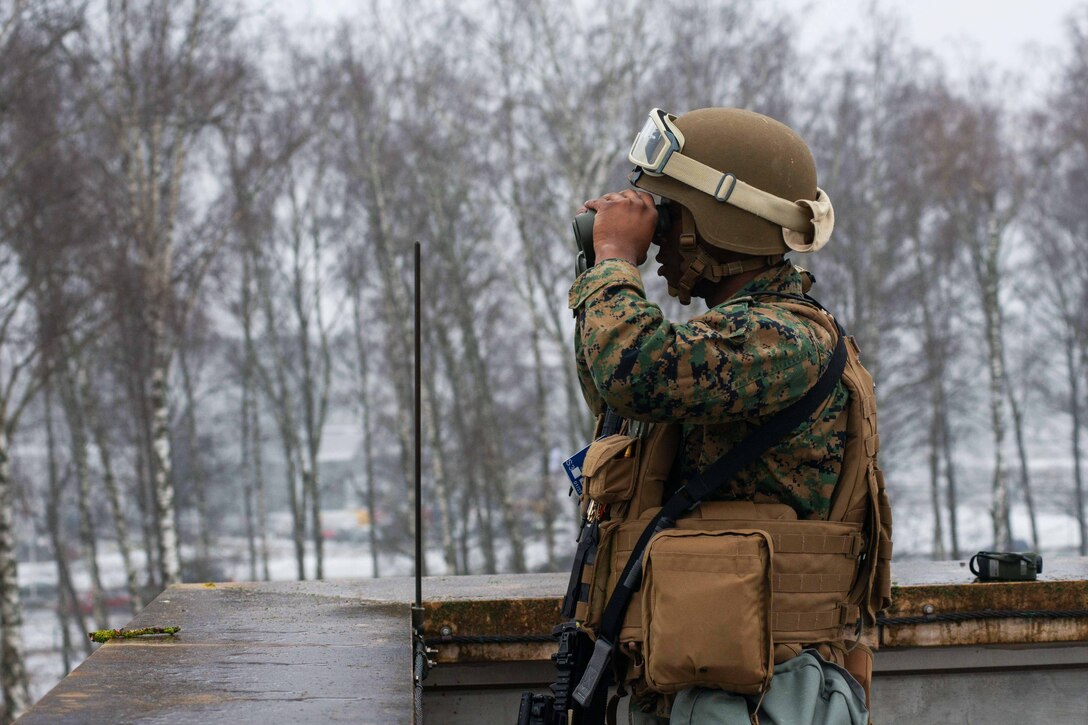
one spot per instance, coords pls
(687, 497)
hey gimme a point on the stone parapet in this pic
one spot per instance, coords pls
(341, 650)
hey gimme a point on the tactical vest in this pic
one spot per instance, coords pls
(736, 577)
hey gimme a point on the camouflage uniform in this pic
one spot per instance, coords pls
(718, 374)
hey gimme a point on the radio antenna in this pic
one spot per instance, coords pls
(422, 662)
(418, 433)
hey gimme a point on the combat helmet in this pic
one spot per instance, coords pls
(745, 182)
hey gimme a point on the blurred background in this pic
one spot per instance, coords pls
(207, 211)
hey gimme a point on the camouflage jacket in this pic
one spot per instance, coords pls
(718, 374)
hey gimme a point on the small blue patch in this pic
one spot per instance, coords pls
(573, 467)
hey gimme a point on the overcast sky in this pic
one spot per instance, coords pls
(995, 31)
(1001, 34)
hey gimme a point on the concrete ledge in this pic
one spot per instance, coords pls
(528, 604)
(251, 653)
(341, 651)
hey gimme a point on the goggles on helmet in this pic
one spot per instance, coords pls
(658, 151)
(656, 142)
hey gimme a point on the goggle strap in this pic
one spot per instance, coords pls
(731, 190)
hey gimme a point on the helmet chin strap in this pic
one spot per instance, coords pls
(696, 263)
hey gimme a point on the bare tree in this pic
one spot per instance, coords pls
(67, 603)
(1057, 228)
(362, 367)
(91, 407)
(168, 71)
(29, 37)
(258, 146)
(981, 195)
(934, 291)
(370, 161)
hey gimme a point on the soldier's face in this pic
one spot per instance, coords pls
(668, 252)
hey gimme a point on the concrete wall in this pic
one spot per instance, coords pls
(994, 685)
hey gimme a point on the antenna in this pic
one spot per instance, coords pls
(422, 662)
(418, 436)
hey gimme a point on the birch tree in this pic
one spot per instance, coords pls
(934, 295)
(1057, 228)
(860, 270)
(91, 405)
(29, 37)
(362, 366)
(981, 196)
(167, 71)
(257, 146)
(370, 160)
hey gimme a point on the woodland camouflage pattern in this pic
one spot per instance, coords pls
(718, 374)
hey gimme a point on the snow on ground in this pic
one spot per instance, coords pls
(913, 530)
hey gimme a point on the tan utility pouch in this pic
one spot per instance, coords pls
(610, 467)
(706, 599)
(595, 578)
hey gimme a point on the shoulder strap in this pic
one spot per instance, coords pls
(689, 496)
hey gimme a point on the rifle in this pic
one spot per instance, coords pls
(560, 708)
(575, 646)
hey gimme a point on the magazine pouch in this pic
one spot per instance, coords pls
(610, 467)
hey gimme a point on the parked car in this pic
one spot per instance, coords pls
(115, 600)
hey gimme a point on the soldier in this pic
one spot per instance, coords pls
(740, 190)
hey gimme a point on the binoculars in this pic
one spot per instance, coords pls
(583, 235)
(1006, 566)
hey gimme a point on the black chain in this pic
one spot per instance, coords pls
(489, 639)
(882, 621)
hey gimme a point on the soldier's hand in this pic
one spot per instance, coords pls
(624, 225)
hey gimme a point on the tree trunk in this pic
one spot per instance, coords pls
(934, 443)
(476, 370)
(259, 492)
(166, 525)
(66, 607)
(146, 499)
(13, 681)
(396, 306)
(485, 524)
(196, 463)
(1025, 477)
(363, 368)
(78, 435)
(279, 394)
(65, 634)
(298, 522)
(113, 493)
(1076, 411)
(247, 486)
(465, 526)
(312, 425)
(493, 460)
(951, 499)
(438, 470)
(933, 351)
(543, 443)
(254, 445)
(310, 482)
(991, 310)
(461, 422)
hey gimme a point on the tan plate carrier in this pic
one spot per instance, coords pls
(823, 575)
